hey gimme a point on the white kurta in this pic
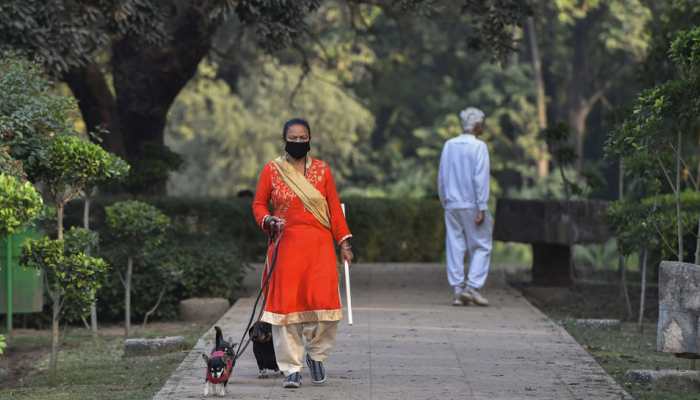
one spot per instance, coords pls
(463, 186)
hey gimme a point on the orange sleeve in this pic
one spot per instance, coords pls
(339, 226)
(262, 196)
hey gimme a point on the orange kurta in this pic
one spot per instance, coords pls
(304, 284)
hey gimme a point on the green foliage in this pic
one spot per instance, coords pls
(685, 51)
(411, 229)
(646, 140)
(652, 222)
(71, 164)
(67, 34)
(495, 24)
(650, 144)
(622, 26)
(558, 139)
(185, 266)
(3, 344)
(71, 276)
(30, 114)
(20, 203)
(156, 165)
(209, 267)
(382, 94)
(10, 166)
(602, 256)
(136, 226)
(199, 257)
(227, 137)
(670, 17)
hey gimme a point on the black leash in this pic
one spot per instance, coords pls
(242, 347)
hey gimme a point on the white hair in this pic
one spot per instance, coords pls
(471, 116)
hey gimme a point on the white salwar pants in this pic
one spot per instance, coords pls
(288, 341)
(464, 236)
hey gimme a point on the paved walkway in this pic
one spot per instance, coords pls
(409, 343)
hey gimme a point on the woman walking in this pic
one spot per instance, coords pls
(303, 301)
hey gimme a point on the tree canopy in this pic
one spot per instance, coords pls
(151, 49)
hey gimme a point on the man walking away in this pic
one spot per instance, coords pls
(463, 186)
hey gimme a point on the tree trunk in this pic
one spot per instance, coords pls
(577, 121)
(579, 100)
(155, 307)
(147, 78)
(622, 266)
(679, 224)
(697, 245)
(543, 162)
(86, 225)
(623, 283)
(127, 296)
(643, 293)
(698, 178)
(97, 106)
(53, 361)
(59, 221)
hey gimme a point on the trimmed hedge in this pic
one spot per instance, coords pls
(384, 230)
(211, 241)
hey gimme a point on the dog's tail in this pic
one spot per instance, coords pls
(219, 337)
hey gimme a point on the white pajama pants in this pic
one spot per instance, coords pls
(464, 236)
(290, 342)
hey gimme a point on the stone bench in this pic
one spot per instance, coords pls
(551, 227)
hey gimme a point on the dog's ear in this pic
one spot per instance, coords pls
(206, 358)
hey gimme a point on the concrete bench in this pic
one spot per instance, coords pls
(551, 227)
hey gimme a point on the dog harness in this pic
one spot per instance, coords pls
(227, 371)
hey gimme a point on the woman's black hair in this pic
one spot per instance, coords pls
(292, 122)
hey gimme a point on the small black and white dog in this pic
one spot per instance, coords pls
(261, 335)
(219, 364)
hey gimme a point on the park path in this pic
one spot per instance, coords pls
(408, 343)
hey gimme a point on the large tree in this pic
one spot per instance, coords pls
(152, 48)
(589, 50)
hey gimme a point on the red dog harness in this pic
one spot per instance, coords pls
(227, 371)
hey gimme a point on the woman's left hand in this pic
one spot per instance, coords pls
(346, 254)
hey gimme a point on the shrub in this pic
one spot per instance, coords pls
(19, 204)
(652, 221)
(71, 276)
(136, 229)
(190, 266)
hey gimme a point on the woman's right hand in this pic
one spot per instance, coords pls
(274, 224)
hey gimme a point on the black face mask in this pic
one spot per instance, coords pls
(297, 149)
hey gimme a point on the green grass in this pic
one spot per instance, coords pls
(616, 350)
(94, 368)
(620, 350)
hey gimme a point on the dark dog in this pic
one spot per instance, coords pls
(219, 364)
(261, 335)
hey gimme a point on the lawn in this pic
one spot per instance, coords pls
(616, 350)
(90, 368)
(619, 350)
